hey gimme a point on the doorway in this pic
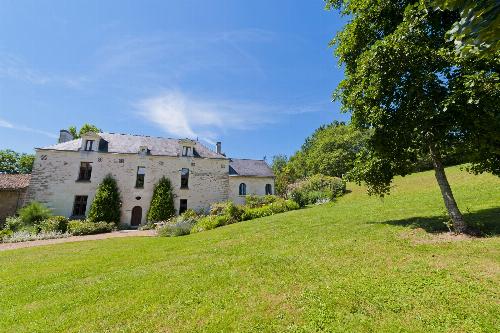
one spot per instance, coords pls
(136, 218)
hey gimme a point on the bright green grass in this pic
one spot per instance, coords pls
(338, 267)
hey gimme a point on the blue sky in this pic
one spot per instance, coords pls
(256, 75)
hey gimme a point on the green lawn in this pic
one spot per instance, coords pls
(360, 264)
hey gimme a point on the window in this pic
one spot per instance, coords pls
(85, 171)
(243, 189)
(88, 145)
(139, 181)
(80, 205)
(269, 189)
(184, 177)
(183, 206)
(186, 151)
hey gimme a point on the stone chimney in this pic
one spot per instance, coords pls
(65, 136)
(219, 147)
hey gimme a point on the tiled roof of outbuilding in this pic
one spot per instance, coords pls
(253, 168)
(14, 182)
(130, 144)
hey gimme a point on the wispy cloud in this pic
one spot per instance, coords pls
(178, 53)
(15, 68)
(184, 115)
(7, 124)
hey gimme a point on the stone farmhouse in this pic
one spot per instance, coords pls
(66, 175)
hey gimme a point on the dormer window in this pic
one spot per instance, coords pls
(143, 150)
(88, 145)
(187, 151)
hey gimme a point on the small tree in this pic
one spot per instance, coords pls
(107, 203)
(86, 128)
(162, 203)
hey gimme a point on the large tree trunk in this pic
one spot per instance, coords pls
(449, 201)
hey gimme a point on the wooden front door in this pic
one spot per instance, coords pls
(136, 216)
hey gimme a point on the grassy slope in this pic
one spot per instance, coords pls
(338, 267)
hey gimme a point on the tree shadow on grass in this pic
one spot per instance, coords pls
(486, 221)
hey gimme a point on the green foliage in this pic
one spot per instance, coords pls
(33, 213)
(404, 81)
(478, 27)
(162, 202)
(86, 128)
(54, 223)
(13, 223)
(209, 222)
(107, 203)
(254, 201)
(15, 163)
(331, 150)
(79, 227)
(180, 225)
(276, 207)
(316, 189)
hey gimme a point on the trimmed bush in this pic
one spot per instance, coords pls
(162, 202)
(33, 213)
(107, 203)
(278, 206)
(79, 228)
(54, 223)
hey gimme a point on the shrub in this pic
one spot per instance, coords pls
(228, 209)
(13, 223)
(5, 233)
(33, 213)
(162, 202)
(317, 188)
(209, 222)
(254, 201)
(107, 203)
(78, 227)
(54, 223)
(278, 206)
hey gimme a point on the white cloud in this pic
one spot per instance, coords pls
(188, 116)
(6, 124)
(15, 68)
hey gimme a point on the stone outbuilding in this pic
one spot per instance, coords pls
(12, 193)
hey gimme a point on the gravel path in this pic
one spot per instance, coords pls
(114, 234)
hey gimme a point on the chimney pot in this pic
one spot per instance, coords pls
(219, 147)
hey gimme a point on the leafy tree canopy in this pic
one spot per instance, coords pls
(404, 81)
(13, 162)
(331, 150)
(86, 128)
(477, 30)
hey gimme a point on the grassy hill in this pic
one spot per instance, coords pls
(360, 264)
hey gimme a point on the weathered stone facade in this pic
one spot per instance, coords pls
(12, 194)
(55, 177)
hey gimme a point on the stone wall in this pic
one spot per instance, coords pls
(55, 173)
(10, 202)
(255, 185)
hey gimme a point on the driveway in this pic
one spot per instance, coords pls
(114, 234)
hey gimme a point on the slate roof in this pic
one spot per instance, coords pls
(130, 144)
(249, 168)
(14, 182)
